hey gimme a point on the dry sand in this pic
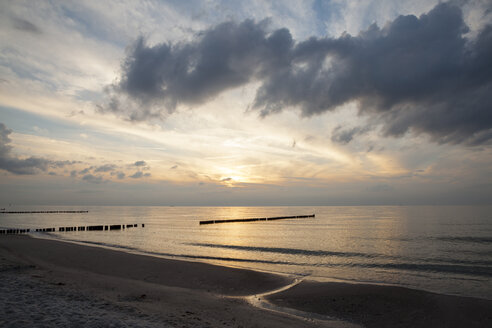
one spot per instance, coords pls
(47, 283)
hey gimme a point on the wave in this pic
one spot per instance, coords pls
(475, 270)
(187, 256)
(292, 251)
(321, 253)
(482, 271)
(466, 239)
(462, 239)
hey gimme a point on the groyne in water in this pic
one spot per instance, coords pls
(68, 229)
(258, 219)
(41, 212)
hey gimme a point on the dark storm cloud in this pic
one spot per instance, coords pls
(31, 165)
(417, 73)
(140, 163)
(223, 57)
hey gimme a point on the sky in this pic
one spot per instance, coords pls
(246, 103)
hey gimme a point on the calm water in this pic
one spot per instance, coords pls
(446, 249)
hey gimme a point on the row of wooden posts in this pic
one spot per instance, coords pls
(64, 229)
(258, 219)
(13, 231)
(39, 212)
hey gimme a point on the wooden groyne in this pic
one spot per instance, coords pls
(41, 212)
(46, 230)
(258, 219)
(13, 231)
(68, 229)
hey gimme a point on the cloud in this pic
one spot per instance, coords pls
(158, 78)
(86, 170)
(420, 74)
(137, 175)
(113, 172)
(93, 179)
(140, 174)
(105, 168)
(26, 26)
(344, 136)
(120, 175)
(12, 164)
(59, 164)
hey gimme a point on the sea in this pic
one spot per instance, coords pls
(443, 249)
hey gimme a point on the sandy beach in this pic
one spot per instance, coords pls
(48, 283)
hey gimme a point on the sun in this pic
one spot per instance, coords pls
(233, 176)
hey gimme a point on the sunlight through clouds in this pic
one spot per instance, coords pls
(270, 99)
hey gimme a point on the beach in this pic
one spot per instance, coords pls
(47, 283)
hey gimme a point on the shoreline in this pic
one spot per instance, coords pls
(171, 292)
(221, 262)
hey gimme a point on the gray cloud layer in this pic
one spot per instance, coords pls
(342, 136)
(92, 174)
(93, 179)
(26, 26)
(105, 168)
(31, 165)
(139, 174)
(420, 74)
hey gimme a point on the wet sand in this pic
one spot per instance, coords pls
(386, 306)
(52, 283)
